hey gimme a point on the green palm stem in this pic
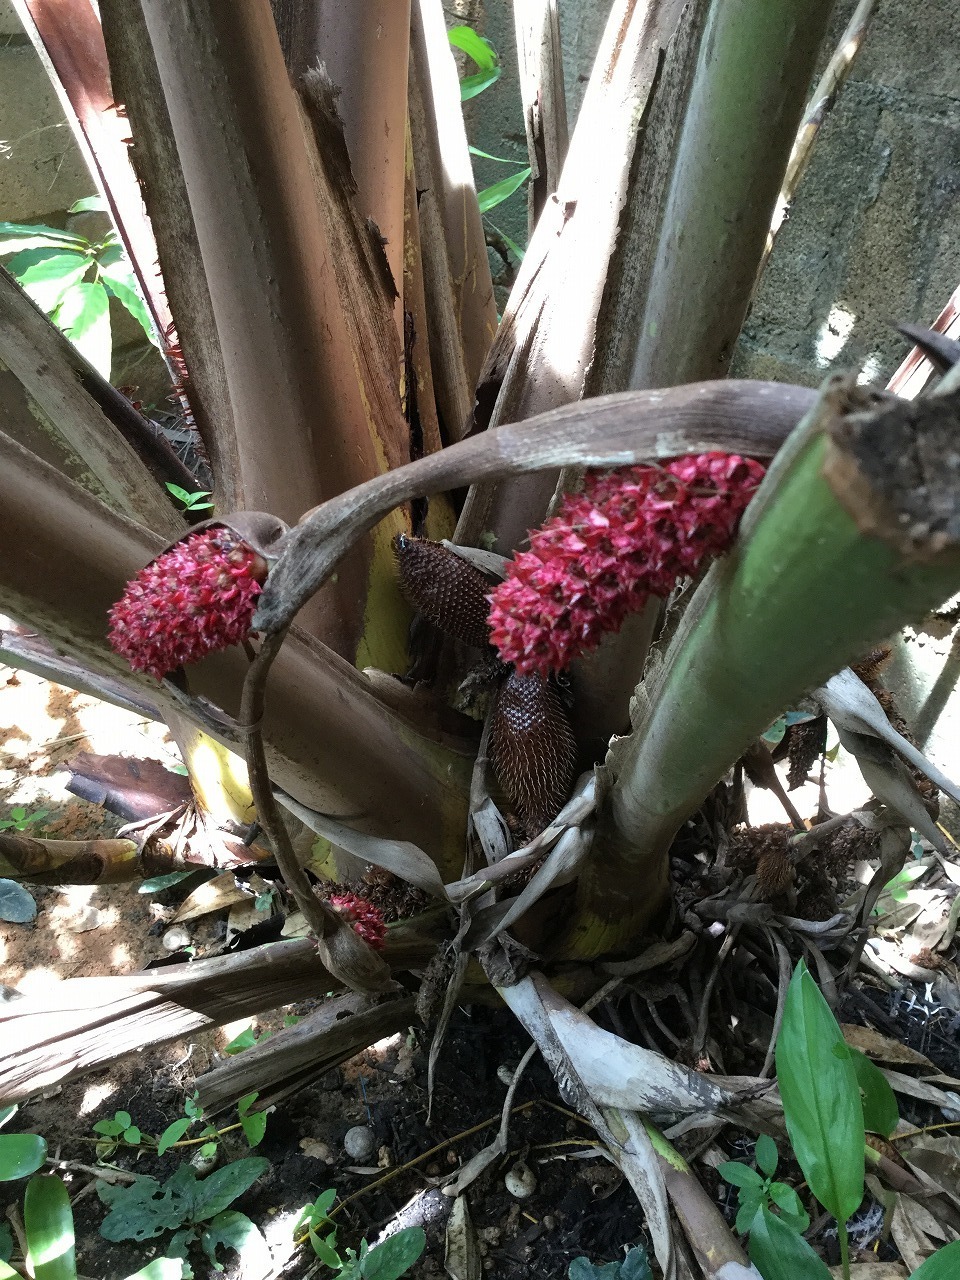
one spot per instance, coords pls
(853, 534)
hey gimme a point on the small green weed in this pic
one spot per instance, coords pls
(387, 1261)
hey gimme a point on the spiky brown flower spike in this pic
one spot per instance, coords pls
(441, 585)
(532, 749)
(631, 534)
(367, 920)
(197, 597)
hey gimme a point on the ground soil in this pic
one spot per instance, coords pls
(579, 1207)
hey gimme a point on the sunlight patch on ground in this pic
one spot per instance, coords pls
(36, 982)
(279, 1235)
(95, 1095)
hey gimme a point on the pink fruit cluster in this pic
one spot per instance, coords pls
(367, 920)
(631, 534)
(197, 597)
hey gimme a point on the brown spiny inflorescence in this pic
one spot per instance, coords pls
(806, 744)
(441, 585)
(532, 749)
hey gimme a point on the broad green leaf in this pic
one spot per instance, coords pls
(89, 204)
(119, 280)
(7, 1113)
(8, 1273)
(16, 236)
(236, 1231)
(781, 1254)
(173, 1133)
(584, 1269)
(740, 1175)
(880, 1112)
(475, 47)
(84, 316)
(821, 1098)
(140, 1210)
(485, 155)
(766, 1155)
(395, 1256)
(218, 1191)
(47, 274)
(160, 1269)
(470, 86)
(490, 197)
(942, 1265)
(48, 1222)
(16, 903)
(20, 1155)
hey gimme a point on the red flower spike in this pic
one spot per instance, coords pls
(197, 597)
(632, 534)
(367, 920)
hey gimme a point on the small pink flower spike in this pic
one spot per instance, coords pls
(197, 597)
(367, 920)
(632, 534)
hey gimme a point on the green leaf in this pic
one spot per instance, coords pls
(781, 1254)
(119, 280)
(6, 1243)
(16, 236)
(511, 244)
(475, 47)
(765, 1155)
(821, 1098)
(132, 1135)
(321, 1207)
(490, 197)
(236, 1231)
(470, 86)
(395, 1256)
(788, 1202)
(109, 1128)
(155, 883)
(173, 1133)
(485, 155)
(740, 1175)
(89, 204)
(142, 1209)
(220, 1189)
(48, 1222)
(880, 1112)
(325, 1247)
(47, 274)
(20, 1155)
(746, 1214)
(253, 1123)
(7, 1113)
(16, 904)
(160, 1269)
(8, 1273)
(942, 1265)
(84, 316)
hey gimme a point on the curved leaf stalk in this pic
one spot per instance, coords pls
(330, 742)
(853, 534)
